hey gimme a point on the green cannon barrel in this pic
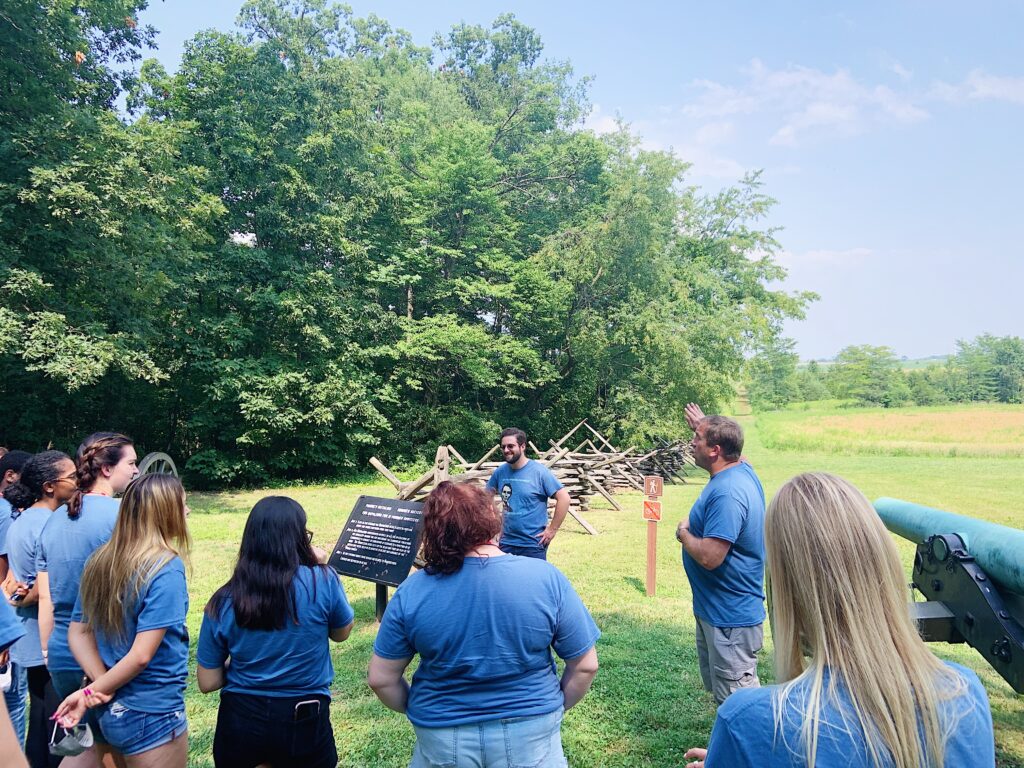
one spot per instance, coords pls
(997, 549)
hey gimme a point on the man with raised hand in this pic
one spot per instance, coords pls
(723, 555)
(525, 486)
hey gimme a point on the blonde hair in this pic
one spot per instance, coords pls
(150, 531)
(839, 594)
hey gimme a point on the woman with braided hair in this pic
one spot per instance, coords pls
(105, 465)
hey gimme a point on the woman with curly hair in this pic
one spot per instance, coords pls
(484, 624)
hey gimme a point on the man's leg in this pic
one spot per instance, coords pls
(733, 656)
(702, 651)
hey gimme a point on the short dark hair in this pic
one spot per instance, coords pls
(13, 461)
(726, 434)
(456, 518)
(39, 470)
(515, 432)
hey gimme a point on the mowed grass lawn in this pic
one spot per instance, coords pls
(647, 705)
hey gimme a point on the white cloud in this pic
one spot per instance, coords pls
(980, 85)
(600, 122)
(901, 72)
(802, 100)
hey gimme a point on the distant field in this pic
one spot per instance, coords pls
(982, 430)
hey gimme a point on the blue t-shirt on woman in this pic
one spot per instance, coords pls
(22, 553)
(64, 546)
(162, 604)
(745, 736)
(484, 635)
(292, 661)
(10, 627)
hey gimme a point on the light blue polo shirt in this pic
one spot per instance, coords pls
(6, 512)
(64, 546)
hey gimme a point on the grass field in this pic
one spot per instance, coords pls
(980, 430)
(647, 706)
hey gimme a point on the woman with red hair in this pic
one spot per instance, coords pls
(483, 623)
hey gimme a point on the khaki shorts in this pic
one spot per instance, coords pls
(728, 657)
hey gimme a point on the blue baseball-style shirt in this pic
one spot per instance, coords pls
(293, 661)
(162, 604)
(731, 508)
(524, 494)
(22, 554)
(484, 636)
(64, 546)
(745, 733)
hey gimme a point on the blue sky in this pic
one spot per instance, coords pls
(889, 132)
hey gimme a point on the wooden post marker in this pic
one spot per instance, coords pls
(653, 489)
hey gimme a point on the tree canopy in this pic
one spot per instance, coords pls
(318, 240)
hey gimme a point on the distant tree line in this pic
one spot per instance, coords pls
(986, 369)
(318, 240)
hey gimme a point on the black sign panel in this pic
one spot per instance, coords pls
(380, 540)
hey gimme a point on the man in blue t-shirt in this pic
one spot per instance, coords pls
(525, 487)
(723, 554)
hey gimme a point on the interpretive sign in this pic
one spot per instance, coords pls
(379, 541)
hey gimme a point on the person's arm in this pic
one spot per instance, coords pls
(83, 647)
(577, 677)
(341, 634)
(29, 595)
(562, 501)
(3, 568)
(694, 415)
(708, 552)
(387, 679)
(209, 679)
(45, 610)
(102, 688)
(698, 754)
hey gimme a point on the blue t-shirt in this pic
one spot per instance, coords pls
(744, 733)
(484, 635)
(524, 495)
(22, 554)
(10, 626)
(64, 546)
(731, 508)
(162, 604)
(6, 511)
(293, 661)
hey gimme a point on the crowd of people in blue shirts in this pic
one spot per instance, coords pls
(96, 645)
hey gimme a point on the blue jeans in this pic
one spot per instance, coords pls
(538, 552)
(132, 732)
(16, 700)
(515, 742)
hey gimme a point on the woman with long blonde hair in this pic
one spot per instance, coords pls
(128, 628)
(858, 685)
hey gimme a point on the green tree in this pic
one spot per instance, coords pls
(773, 379)
(869, 375)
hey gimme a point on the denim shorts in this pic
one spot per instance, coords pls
(65, 683)
(515, 742)
(131, 732)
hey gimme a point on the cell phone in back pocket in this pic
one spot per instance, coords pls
(306, 710)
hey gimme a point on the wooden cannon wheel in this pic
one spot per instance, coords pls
(157, 463)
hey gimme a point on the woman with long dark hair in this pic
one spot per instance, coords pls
(272, 620)
(486, 692)
(128, 629)
(858, 687)
(46, 482)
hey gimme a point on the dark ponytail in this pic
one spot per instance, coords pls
(98, 450)
(41, 469)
